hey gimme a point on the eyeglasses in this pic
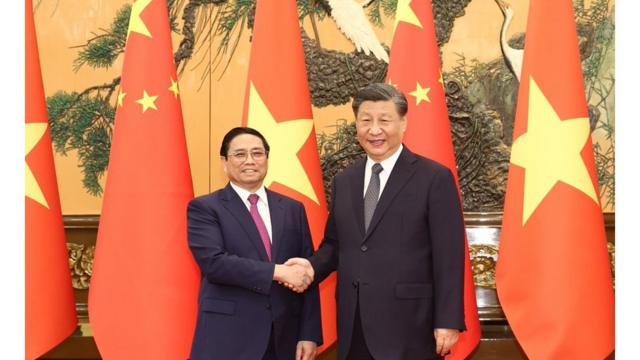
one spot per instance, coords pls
(241, 156)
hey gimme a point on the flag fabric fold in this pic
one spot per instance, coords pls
(143, 291)
(50, 313)
(277, 103)
(414, 68)
(553, 276)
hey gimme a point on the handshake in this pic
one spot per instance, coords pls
(296, 274)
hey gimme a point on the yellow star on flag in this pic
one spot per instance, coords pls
(135, 21)
(34, 132)
(550, 152)
(147, 101)
(406, 14)
(121, 96)
(174, 88)
(286, 139)
(420, 93)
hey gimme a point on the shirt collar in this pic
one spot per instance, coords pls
(244, 194)
(388, 163)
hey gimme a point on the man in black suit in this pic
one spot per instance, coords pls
(395, 235)
(240, 236)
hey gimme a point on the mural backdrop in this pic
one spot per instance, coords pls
(481, 41)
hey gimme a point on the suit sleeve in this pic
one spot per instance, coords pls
(325, 259)
(207, 246)
(310, 323)
(446, 230)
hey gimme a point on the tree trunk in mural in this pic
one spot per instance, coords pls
(481, 95)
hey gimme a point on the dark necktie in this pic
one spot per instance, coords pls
(372, 194)
(257, 219)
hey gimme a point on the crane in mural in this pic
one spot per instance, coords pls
(350, 18)
(513, 57)
(480, 96)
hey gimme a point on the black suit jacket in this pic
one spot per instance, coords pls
(408, 267)
(238, 301)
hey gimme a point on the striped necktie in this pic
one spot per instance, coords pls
(372, 194)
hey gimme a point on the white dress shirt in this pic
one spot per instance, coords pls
(387, 167)
(263, 204)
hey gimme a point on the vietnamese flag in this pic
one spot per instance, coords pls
(553, 275)
(414, 68)
(278, 105)
(50, 309)
(143, 293)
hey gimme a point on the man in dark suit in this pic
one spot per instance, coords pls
(395, 236)
(239, 236)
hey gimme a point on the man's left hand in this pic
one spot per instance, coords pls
(306, 350)
(445, 339)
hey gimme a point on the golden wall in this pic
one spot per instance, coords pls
(212, 102)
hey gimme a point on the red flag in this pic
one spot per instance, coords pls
(143, 293)
(414, 68)
(50, 308)
(278, 105)
(553, 276)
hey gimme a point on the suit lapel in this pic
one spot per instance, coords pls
(237, 208)
(399, 176)
(357, 197)
(276, 211)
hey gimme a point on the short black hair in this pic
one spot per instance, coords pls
(380, 92)
(229, 136)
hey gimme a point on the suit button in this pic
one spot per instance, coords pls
(269, 306)
(364, 248)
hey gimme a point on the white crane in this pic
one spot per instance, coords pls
(513, 57)
(352, 21)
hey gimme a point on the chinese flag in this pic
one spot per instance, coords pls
(414, 68)
(143, 293)
(278, 105)
(553, 276)
(50, 309)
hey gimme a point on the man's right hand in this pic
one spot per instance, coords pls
(296, 274)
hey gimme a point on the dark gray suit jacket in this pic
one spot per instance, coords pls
(408, 267)
(238, 301)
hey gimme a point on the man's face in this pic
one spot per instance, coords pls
(246, 163)
(379, 128)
